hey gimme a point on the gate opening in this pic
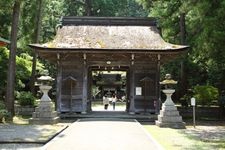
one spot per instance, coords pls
(107, 85)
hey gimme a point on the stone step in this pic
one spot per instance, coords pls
(169, 108)
(110, 114)
(175, 125)
(169, 119)
(44, 114)
(169, 113)
(44, 120)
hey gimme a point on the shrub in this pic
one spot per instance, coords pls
(185, 100)
(26, 99)
(205, 94)
(221, 100)
(3, 112)
(2, 105)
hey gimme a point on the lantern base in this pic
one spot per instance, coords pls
(44, 114)
(169, 116)
(177, 125)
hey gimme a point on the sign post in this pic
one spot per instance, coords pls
(193, 103)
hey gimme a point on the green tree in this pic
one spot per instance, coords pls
(5, 17)
(4, 55)
(53, 10)
(117, 8)
(38, 20)
(205, 34)
(12, 59)
(205, 94)
(103, 8)
(23, 70)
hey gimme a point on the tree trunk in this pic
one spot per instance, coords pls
(182, 65)
(88, 6)
(182, 29)
(12, 59)
(38, 19)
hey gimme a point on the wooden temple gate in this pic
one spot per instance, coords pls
(84, 44)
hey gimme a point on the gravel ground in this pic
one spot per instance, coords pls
(212, 131)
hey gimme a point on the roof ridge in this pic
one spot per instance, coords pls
(108, 21)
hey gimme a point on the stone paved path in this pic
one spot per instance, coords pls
(92, 134)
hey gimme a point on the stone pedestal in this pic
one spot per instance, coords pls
(169, 116)
(45, 112)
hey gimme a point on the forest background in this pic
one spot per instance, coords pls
(199, 24)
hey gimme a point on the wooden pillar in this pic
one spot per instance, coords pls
(159, 103)
(59, 84)
(85, 86)
(127, 91)
(132, 108)
(89, 90)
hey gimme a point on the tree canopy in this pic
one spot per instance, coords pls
(205, 32)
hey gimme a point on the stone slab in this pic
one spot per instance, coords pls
(169, 113)
(169, 108)
(169, 119)
(44, 114)
(40, 121)
(175, 125)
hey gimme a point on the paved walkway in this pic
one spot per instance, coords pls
(100, 107)
(92, 134)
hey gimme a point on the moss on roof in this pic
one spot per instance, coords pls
(110, 37)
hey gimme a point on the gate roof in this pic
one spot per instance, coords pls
(111, 34)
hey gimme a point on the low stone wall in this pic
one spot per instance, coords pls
(202, 112)
(24, 110)
(186, 112)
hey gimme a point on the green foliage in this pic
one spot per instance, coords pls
(24, 64)
(185, 100)
(4, 54)
(2, 105)
(104, 8)
(205, 34)
(73, 8)
(23, 71)
(26, 24)
(25, 98)
(5, 17)
(222, 99)
(205, 94)
(117, 8)
(3, 112)
(52, 12)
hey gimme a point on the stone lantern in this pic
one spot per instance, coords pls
(45, 113)
(169, 116)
